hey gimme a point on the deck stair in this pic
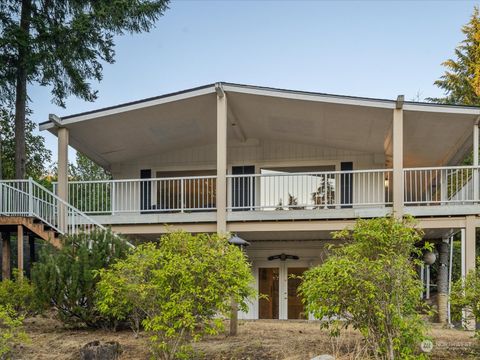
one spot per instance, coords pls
(28, 203)
(40, 229)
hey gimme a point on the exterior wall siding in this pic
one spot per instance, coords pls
(260, 153)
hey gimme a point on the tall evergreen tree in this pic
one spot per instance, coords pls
(37, 155)
(62, 44)
(461, 80)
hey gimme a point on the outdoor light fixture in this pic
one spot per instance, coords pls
(238, 241)
(283, 257)
(429, 258)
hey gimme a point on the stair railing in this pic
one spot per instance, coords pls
(29, 198)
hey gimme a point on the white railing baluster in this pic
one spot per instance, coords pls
(452, 185)
(312, 190)
(182, 195)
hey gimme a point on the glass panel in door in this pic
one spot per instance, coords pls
(268, 285)
(294, 302)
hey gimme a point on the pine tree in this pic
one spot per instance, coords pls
(461, 80)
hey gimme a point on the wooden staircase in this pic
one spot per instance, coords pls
(35, 225)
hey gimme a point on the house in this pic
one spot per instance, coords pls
(282, 169)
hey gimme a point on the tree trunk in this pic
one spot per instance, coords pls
(390, 348)
(1, 144)
(21, 90)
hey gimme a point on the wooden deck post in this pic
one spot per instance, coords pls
(20, 250)
(6, 249)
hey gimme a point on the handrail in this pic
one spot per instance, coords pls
(455, 167)
(136, 180)
(73, 210)
(311, 173)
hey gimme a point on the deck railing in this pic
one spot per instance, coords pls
(310, 190)
(159, 195)
(454, 185)
(28, 198)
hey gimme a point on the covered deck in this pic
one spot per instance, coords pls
(227, 152)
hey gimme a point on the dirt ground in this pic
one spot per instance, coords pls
(262, 339)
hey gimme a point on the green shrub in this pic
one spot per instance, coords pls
(371, 284)
(66, 277)
(465, 298)
(19, 294)
(11, 330)
(178, 289)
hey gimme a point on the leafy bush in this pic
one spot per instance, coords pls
(371, 284)
(19, 294)
(465, 295)
(178, 289)
(66, 277)
(11, 330)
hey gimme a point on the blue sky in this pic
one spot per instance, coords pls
(362, 48)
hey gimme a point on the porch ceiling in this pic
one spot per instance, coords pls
(432, 135)
(435, 138)
(130, 135)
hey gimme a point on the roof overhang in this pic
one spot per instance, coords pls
(435, 134)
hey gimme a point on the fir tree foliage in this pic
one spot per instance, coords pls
(461, 80)
(65, 278)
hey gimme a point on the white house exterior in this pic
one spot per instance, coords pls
(280, 168)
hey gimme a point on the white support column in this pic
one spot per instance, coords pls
(463, 271)
(470, 237)
(221, 189)
(450, 268)
(62, 188)
(468, 256)
(475, 161)
(398, 186)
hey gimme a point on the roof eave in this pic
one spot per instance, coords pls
(262, 91)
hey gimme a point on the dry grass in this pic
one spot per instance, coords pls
(263, 339)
